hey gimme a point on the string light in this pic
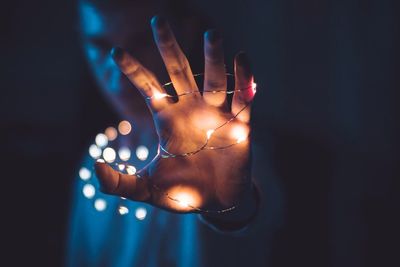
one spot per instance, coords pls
(94, 151)
(109, 154)
(101, 140)
(100, 204)
(158, 95)
(84, 173)
(131, 170)
(142, 153)
(140, 213)
(124, 127)
(184, 199)
(111, 133)
(121, 167)
(209, 133)
(88, 191)
(124, 153)
(123, 210)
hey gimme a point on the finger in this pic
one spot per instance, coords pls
(244, 91)
(175, 61)
(113, 182)
(214, 74)
(143, 79)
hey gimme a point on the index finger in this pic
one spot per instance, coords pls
(175, 61)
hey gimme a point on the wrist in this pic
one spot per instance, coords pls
(239, 217)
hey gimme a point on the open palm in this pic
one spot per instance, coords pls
(203, 162)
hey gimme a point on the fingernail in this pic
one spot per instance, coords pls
(213, 36)
(158, 21)
(116, 53)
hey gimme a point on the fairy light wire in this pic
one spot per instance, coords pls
(167, 154)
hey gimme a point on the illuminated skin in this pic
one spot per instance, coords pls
(209, 180)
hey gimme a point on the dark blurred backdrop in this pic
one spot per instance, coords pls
(327, 111)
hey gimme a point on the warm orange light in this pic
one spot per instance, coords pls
(184, 198)
(209, 133)
(158, 95)
(111, 133)
(239, 133)
(124, 127)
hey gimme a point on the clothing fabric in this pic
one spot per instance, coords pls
(106, 238)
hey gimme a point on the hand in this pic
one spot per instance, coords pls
(210, 180)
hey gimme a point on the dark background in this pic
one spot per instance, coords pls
(327, 111)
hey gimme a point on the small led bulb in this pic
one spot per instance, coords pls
(123, 210)
(101, 140)
(158, 95)
(121, 167)
(184, 200)
(209, 133)
(100, 204)
(239, 133)
(131, 170)
(240, 139)
(124, 127)
(141, 213)
(254, 87)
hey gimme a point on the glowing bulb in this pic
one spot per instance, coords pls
(124, 127)
(131, 170)
(109, 155)
(240, 134)
(101, 140)
(184, 200)
(121, 167)
(124, 153)
(100, 204)
(100, 160)
(240, 139)
(209, 133)
(84, 173)
(141, 213)
(111, 133)
(142, 153)
(158, 95)
(254, 87)
(123, 210)
(94, 151)
(88, 191)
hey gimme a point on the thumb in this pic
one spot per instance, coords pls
(128, 186)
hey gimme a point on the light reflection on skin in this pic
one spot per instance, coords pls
(184, 198)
